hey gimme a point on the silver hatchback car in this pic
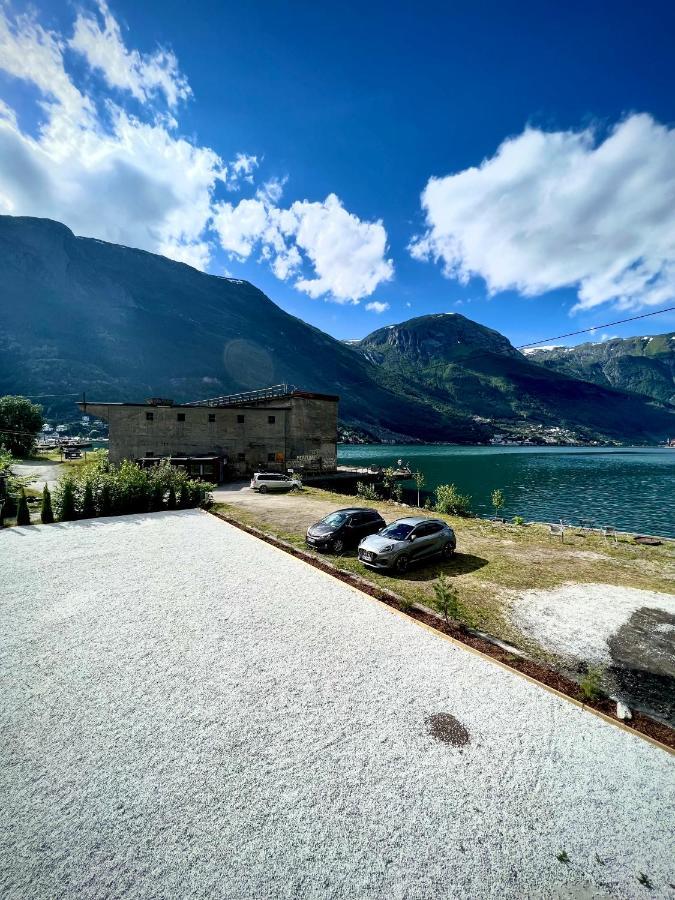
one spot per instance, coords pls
(407, 541)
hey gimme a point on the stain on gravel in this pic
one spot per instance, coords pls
(643, 662)
(448, 729)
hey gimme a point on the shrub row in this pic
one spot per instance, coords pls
(101, 489)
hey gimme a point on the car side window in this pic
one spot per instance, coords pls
(434, 527)
(423, 530)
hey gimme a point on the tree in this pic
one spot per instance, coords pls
(46, 512)
(497, 499)
(67, 502)
(184, 496)
(88, 508)
(420, 481)
(171, 501)
(446, 600)
(449, 500)
(20, 422)
(22, 513)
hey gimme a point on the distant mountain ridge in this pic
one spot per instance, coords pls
(478, 372)
(640, 365)
(78, 314)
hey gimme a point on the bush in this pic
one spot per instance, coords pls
(366, 491)
(46, 512)
(591, 684)
(449, 500)
(22, 513)
(446, 600)
(98, 487)
(518, 520)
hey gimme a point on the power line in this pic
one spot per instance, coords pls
(595, 327)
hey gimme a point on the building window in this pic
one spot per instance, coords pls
(271, 420)
(180, 417)
(241, 457)
(212, 417)
(149, 417)
(240, 420)
(271, 457)
(149, 452)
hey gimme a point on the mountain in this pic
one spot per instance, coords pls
(78, 314)
(640, 365)
(476, 371)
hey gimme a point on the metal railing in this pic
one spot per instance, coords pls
(246, 397)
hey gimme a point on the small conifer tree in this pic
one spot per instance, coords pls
(88, 508)
(105, 501)
(171, 502)
(22, 513)
(156, 498)
(184, 496)
(46, 512)
(67, 502)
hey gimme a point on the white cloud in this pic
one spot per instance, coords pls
(563, 209)
(99, 40)
(103, 171)
(348, 255)
(115, 167)
(377, 307)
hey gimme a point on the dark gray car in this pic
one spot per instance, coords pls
(407, 541)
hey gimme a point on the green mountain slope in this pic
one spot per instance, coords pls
(77, 314)
(478, 372)
(640, 365)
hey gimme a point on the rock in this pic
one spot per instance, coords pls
(622, 711)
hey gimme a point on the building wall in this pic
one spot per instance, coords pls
(302, 429)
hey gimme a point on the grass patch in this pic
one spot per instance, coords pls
(494, 562)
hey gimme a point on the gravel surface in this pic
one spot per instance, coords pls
(579, 619)
(39, 472)
(188, 711)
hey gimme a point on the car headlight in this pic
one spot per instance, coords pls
(387, 549)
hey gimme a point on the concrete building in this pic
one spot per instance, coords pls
(268, 430)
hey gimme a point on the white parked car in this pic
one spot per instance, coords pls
(273, 481)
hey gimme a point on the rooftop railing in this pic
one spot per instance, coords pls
(274, 392)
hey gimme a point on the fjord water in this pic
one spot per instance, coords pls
(631, 488)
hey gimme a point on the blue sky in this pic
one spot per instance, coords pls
(549, 134)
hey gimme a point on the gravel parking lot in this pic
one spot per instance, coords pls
(188, 711)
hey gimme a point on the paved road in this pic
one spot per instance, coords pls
(188, 711)
(41, 473)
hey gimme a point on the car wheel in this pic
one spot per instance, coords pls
(447, 551)
(263, 489)
(401, 564)
(338, 545)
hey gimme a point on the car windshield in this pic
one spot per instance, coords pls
(335, 519)
(399, 531)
